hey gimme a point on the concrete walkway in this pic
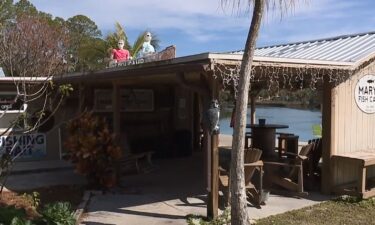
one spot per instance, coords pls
(170, 193)
(164, 196)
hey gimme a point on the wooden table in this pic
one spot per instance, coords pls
(264, 138)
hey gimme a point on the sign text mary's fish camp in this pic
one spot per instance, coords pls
(365, 94)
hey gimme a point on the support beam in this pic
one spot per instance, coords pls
(327, 173)
(214, 160)
(116, 124)
(116, 110)
(81, 97)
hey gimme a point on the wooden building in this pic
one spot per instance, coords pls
(161, 103)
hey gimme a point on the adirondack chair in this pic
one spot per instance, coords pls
(291, 176)
(252, 163)
(140, 162)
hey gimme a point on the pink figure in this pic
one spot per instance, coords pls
(120, 54)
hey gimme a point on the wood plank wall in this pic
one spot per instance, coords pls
(353, 129)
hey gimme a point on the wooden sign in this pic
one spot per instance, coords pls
(25, 146)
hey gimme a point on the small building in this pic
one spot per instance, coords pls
(160, 104)
(12, 107)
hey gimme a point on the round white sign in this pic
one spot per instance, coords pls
(365, 94)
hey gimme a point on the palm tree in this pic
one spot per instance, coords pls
(120, 34)
(239, 214)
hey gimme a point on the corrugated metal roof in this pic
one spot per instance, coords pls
(348, 48)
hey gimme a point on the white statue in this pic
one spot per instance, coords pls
(147, 48)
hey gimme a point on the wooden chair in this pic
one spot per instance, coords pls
(292, 178)
(133, 161)
(287, 143)
(314, 157)
(139, 162)
(252, 163)
(312, 171)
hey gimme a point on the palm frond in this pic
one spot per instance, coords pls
(155, 41)
(279, 7)
(137, 44)
(121, 34)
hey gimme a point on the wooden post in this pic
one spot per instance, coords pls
(327, 174)
(116, 111)
(116, 124)
(213, 206)
(81, 97)
(361, 180)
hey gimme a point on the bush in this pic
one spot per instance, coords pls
(91, 148)
(19, 221)
(10, 213)
(58, 213)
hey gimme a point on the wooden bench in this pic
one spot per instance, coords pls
(362, 160)
(133, 161)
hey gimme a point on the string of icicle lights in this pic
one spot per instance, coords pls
(285, 76)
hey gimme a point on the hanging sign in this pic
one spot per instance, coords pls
(29, 146)
(365, 94)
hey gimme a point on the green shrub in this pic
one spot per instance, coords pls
(58, 213)
(33, 198)
(19, 221)
(7, 214)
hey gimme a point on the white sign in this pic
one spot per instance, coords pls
(365, 94)
(31, 145)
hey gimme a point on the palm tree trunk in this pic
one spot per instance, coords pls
(238, 192)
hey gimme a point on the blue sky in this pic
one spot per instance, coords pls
(197, 26)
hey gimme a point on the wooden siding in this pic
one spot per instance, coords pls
(353, 130)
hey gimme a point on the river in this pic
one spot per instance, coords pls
(300, 121)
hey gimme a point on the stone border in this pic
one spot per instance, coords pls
(83, 205)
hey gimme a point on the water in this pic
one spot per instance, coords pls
(300, 121)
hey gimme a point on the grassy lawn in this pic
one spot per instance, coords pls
(343, 211)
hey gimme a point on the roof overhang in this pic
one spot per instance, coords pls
(194, 63)
(260, 59)
(36, 80)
